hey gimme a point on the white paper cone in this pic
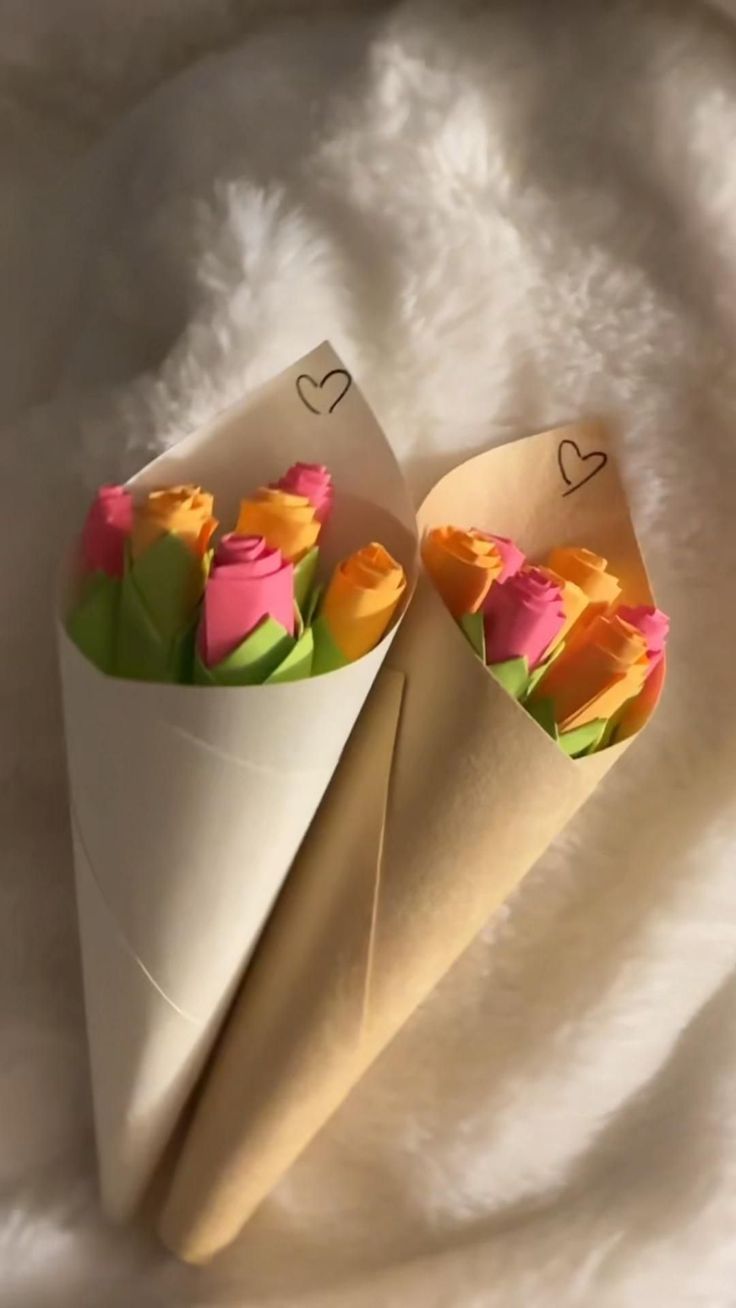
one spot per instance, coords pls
(189, 803)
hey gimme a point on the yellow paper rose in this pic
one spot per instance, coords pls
(286, 522)
(463, 565)
(590, 573)
(574, 600)
(183, 511)
(361, 599)
(606, 666)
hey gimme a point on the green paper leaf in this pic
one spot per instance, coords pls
(159, 603)
(583, 740)
(201, 674)
(543, 713)
(141, 653)
(473, 624)
(608, 735)
(182, 655)
(298, 662)
(93, 622)
(327, 656)
(513, 675)
(169, 580)
(305, 573)
(541, 668)
(312, 604)
(253, 661)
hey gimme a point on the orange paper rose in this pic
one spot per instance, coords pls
(590, 573)
(574, 600)
(603, 669)
(183, 511)
(286, 522)
(361, 600)
(462, 565)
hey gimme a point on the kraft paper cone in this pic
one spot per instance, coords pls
(189, 803)
(446, 795)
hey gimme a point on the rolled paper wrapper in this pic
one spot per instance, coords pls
(574, 600)
(286, 521)
(181, 511)
(523, 618)
(592, 680)
(462, 565)
(654, 626)
(359, 605)
(589, 571)
(408, 856)
(106, 530)
(512, 558)
(312, 481)
(189, 802)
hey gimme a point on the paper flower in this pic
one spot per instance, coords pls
(181, 511)
(93, 620)
(523, 618)
(512, 558)
(589, 572)
(462, 565)
(592, 679)
(359, 603)
(287, 522)
(163, 583)
(654, 626)
(106, 529)
(311, 481)
(574, 600)
(250, 585)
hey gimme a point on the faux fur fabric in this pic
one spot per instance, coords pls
(504, 215)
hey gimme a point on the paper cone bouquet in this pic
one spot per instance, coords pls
(158, 604)
(458, 775)
(557, 636)
(211, 677)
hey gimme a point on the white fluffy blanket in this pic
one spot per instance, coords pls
(504, 215)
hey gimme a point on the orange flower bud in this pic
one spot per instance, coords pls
(588, 571)
(362, 598)
(462, 565)
(183, 511)
(606, 666)
(286, 522)
(574, 600)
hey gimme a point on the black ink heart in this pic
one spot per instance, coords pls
(318, 401)
(571, 468)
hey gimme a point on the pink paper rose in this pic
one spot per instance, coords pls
(106, 529)
(512, 557)
(313, 481)
(248, 582)
(523, 617)
(654, 626)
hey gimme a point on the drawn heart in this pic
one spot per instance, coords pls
(325, 395)
(576, 467)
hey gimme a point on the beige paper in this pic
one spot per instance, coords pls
(384, 898)
(189, 803)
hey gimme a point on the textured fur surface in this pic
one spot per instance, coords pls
(504, 215)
